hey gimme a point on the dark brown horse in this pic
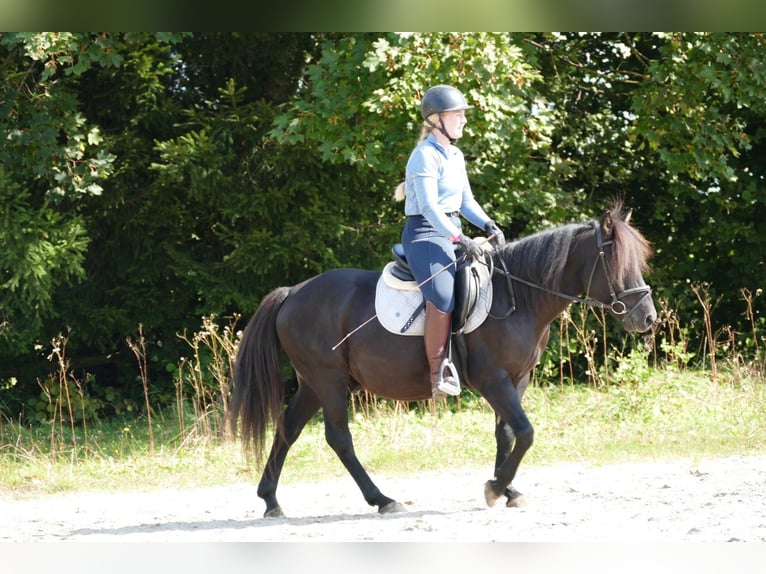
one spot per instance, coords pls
(539, 276)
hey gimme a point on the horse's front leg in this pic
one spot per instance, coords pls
(512, 428)
(338, 436)
(504, 439)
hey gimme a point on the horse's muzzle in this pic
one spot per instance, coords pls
(642, 315)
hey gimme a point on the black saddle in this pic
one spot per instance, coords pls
(467, 284)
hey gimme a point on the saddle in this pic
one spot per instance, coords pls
(400, 305)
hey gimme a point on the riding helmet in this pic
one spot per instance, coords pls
(441, 98)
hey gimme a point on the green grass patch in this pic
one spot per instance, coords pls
(669, 415)
(666, 415)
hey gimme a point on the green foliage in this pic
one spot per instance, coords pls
(633, 368)
(153, 179)
(691, 94)
(40, 250)
(372, 119)
(50, 160)
(58, 401)
(55, 165)
(675, 353)
(700, 111)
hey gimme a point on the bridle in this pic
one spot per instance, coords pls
(616, 305)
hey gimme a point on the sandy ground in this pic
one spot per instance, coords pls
(721, 500)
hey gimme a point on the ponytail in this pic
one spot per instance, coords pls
(399, 192)
(424, 132)
(427, 128)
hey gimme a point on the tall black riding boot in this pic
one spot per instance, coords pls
(436, 335)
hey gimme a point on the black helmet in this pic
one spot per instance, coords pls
(440, 99)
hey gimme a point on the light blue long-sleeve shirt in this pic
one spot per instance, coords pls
(436, 183)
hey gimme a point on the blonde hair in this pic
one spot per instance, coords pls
(425, 130)
(399, 192)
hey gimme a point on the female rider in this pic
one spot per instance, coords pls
(436, 193)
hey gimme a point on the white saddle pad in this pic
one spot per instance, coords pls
(397, 300)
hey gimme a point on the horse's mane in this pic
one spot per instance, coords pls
(540, 258)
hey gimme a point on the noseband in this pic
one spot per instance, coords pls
(616, 305)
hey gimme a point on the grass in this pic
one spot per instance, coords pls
(667, 415)
(670, 415)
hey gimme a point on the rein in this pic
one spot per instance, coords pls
(616, 305)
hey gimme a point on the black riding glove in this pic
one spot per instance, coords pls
(495, 233)
(471, 248)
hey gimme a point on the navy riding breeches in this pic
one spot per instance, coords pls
(428, 252)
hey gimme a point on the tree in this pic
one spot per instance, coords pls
(51, 162)
(672, 123)
(148, 179)
(360, 107)
(701, 111)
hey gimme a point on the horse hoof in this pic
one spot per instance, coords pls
(515, 498)
(391, 507)
(275, 512)
(489, 494)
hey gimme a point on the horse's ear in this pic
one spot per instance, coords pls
(606, 224)
(626, 217)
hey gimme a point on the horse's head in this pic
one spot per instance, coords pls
(616, 279)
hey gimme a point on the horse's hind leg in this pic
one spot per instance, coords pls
(339, 438)
(302, 406)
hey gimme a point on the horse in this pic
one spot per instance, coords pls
(535, 278)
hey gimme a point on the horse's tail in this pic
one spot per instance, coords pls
(258, 392)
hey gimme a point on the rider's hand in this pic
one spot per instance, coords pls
(470, 247)
(495, 234)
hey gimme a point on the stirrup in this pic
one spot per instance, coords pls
(449, 383)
